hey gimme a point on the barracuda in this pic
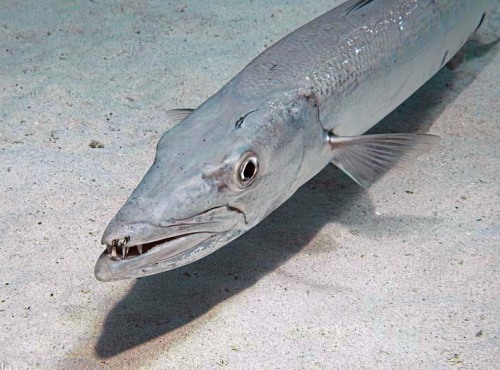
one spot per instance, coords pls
(301, 104)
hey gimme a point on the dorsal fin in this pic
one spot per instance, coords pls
(174, 116)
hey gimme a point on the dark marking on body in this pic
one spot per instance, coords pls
(312, 96)
(240, 120)
(358, 5)
(218, 178)
(443, 61)
(480, 22)
(270, 66)
(273, 66)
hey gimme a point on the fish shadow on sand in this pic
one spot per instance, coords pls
(162, 303)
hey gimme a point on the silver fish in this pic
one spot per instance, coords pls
(301, 104)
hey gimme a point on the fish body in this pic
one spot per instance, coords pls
(301, 104)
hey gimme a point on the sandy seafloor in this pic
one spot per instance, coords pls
(404, 275)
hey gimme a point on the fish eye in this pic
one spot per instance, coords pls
(247, 169)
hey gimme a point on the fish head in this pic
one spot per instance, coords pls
(214, 177)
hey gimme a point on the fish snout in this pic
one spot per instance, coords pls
(216, 220)
(135, 244)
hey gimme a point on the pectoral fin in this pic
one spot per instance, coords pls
(367, 158)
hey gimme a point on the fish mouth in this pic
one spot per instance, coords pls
(120, 250)
(148, 249)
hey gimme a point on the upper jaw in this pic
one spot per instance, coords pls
(133, 250)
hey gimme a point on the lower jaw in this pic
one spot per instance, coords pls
(179, 252)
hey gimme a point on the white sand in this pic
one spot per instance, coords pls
(404, 275)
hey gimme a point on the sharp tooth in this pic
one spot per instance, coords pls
(113, 251)
(124, 253)
(139, 248)
(108, 248)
